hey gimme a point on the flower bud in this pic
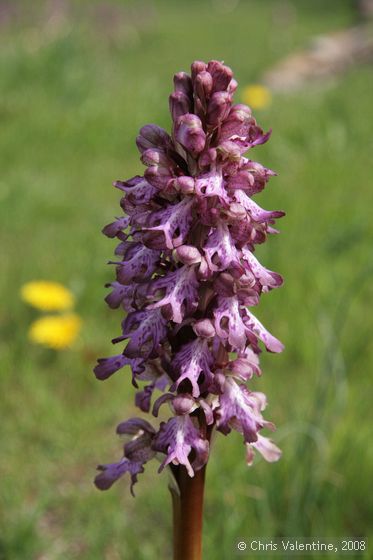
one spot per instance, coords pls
(188, 254)
(197, 67)
(185, 184)
(152, 156)
(199, 108)
(179, 104)
(190, 134)
(229, 150)
(204, 328)
(183, 404)
(183, 83)
(208, 157)
(233, 84)
(221, 74)
(245, 367)
(158, 176)
(225, 285)
(203, 86)
(218, 108)
(237, 123)
(152, 136)
(236, 212)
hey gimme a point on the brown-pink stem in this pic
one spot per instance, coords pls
(187, 505)
(188, 514)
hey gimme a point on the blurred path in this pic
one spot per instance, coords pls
(327, 56)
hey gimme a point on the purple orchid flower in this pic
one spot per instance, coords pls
(186, 278)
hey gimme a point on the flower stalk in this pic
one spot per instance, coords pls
(187, 504)
(187, 279)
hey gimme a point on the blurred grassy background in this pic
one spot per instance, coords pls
(78, 79)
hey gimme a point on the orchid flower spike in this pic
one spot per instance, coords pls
(187, 279)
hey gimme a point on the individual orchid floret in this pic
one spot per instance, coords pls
(218, 108)
(180, 293)
(176, 439)
(146, 330)
(180, 104)
(136, 453)
(193, 364)
(171, 223)
(241, 410)
(152, 136)
(221, 75)
(188, 280)
(183, 82)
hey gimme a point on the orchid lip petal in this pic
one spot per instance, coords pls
(190, 362)
(180, 292)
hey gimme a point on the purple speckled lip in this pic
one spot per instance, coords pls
(186, 275)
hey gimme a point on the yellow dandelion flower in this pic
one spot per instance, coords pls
(256, 96)
(47, 296)
(55, 331)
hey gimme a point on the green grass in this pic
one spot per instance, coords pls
(73, 96)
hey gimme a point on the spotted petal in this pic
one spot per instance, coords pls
(146, 330)
(173, 222)
(220, 250)
(257, 213)
(211, 184)
(137, 452)
(267, 278)
(191, 362)
(181, 293)
(139, 263)
(138, 190)
(240, 409)
(121, 295)
(229, 323)
(254, 326)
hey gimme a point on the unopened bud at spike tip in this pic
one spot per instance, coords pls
(197, 67)
(190, 134)
(218, 108)
(180, 104)
(221, 75)
(183, 83)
